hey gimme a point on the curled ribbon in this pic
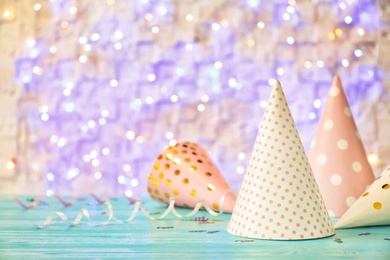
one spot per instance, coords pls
(99, 201)
(83, 213)
(69, 203)
(137, 207)
(30, 206)
(64, 203)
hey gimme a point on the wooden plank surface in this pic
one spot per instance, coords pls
(170, 238)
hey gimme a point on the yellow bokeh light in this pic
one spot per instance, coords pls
(148, 17)
(64, 24)
(189, 17)
(201, 107)
(338, 32)
(373, 158)
(308, 64)
(37, 7)
(251, 42)
(224, 23)
(98, 175)
(53, 49)
(260, 25)
(110, 2)
(360, 31)
(6, 14)
(73, 10)
(172, 142)
(10, 165)
(292, 2)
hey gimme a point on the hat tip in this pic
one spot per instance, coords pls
(337, 80)
(276, 85)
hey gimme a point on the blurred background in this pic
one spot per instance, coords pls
(91, 91)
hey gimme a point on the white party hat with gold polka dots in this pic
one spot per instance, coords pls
(337, 155)
(279, 198)
(373, 206)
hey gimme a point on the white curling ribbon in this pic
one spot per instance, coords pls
(137, 207)
(83, 213)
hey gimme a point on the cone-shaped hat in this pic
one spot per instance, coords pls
(372, 208)
(337, 155)
(279, 197)
(186, 173)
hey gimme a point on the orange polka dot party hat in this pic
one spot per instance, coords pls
(337, 155)
(373, 206)
(186, 173)
(279, 197)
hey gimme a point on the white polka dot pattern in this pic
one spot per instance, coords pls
(356, 166)
(321, 159)
(347, 112)
(372, 208)
(336, 179)
(342, 144)
(338, 159)
(328, 124)
(334, 91)
(279, 198)
(350, 200)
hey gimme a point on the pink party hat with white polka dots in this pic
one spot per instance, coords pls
(373, 206)
(279, 197)
(337, 155)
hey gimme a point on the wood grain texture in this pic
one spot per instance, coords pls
(170, 238)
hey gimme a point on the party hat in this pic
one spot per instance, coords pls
(337, 155)
(279, 198)
(186, 173)
(372, 208)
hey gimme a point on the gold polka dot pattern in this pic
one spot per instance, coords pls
(186, 173)
(279, 198)
(337, 157)
(372, 208)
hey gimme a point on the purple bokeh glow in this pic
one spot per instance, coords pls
(104, 95)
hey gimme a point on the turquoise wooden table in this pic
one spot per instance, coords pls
(201, 236)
